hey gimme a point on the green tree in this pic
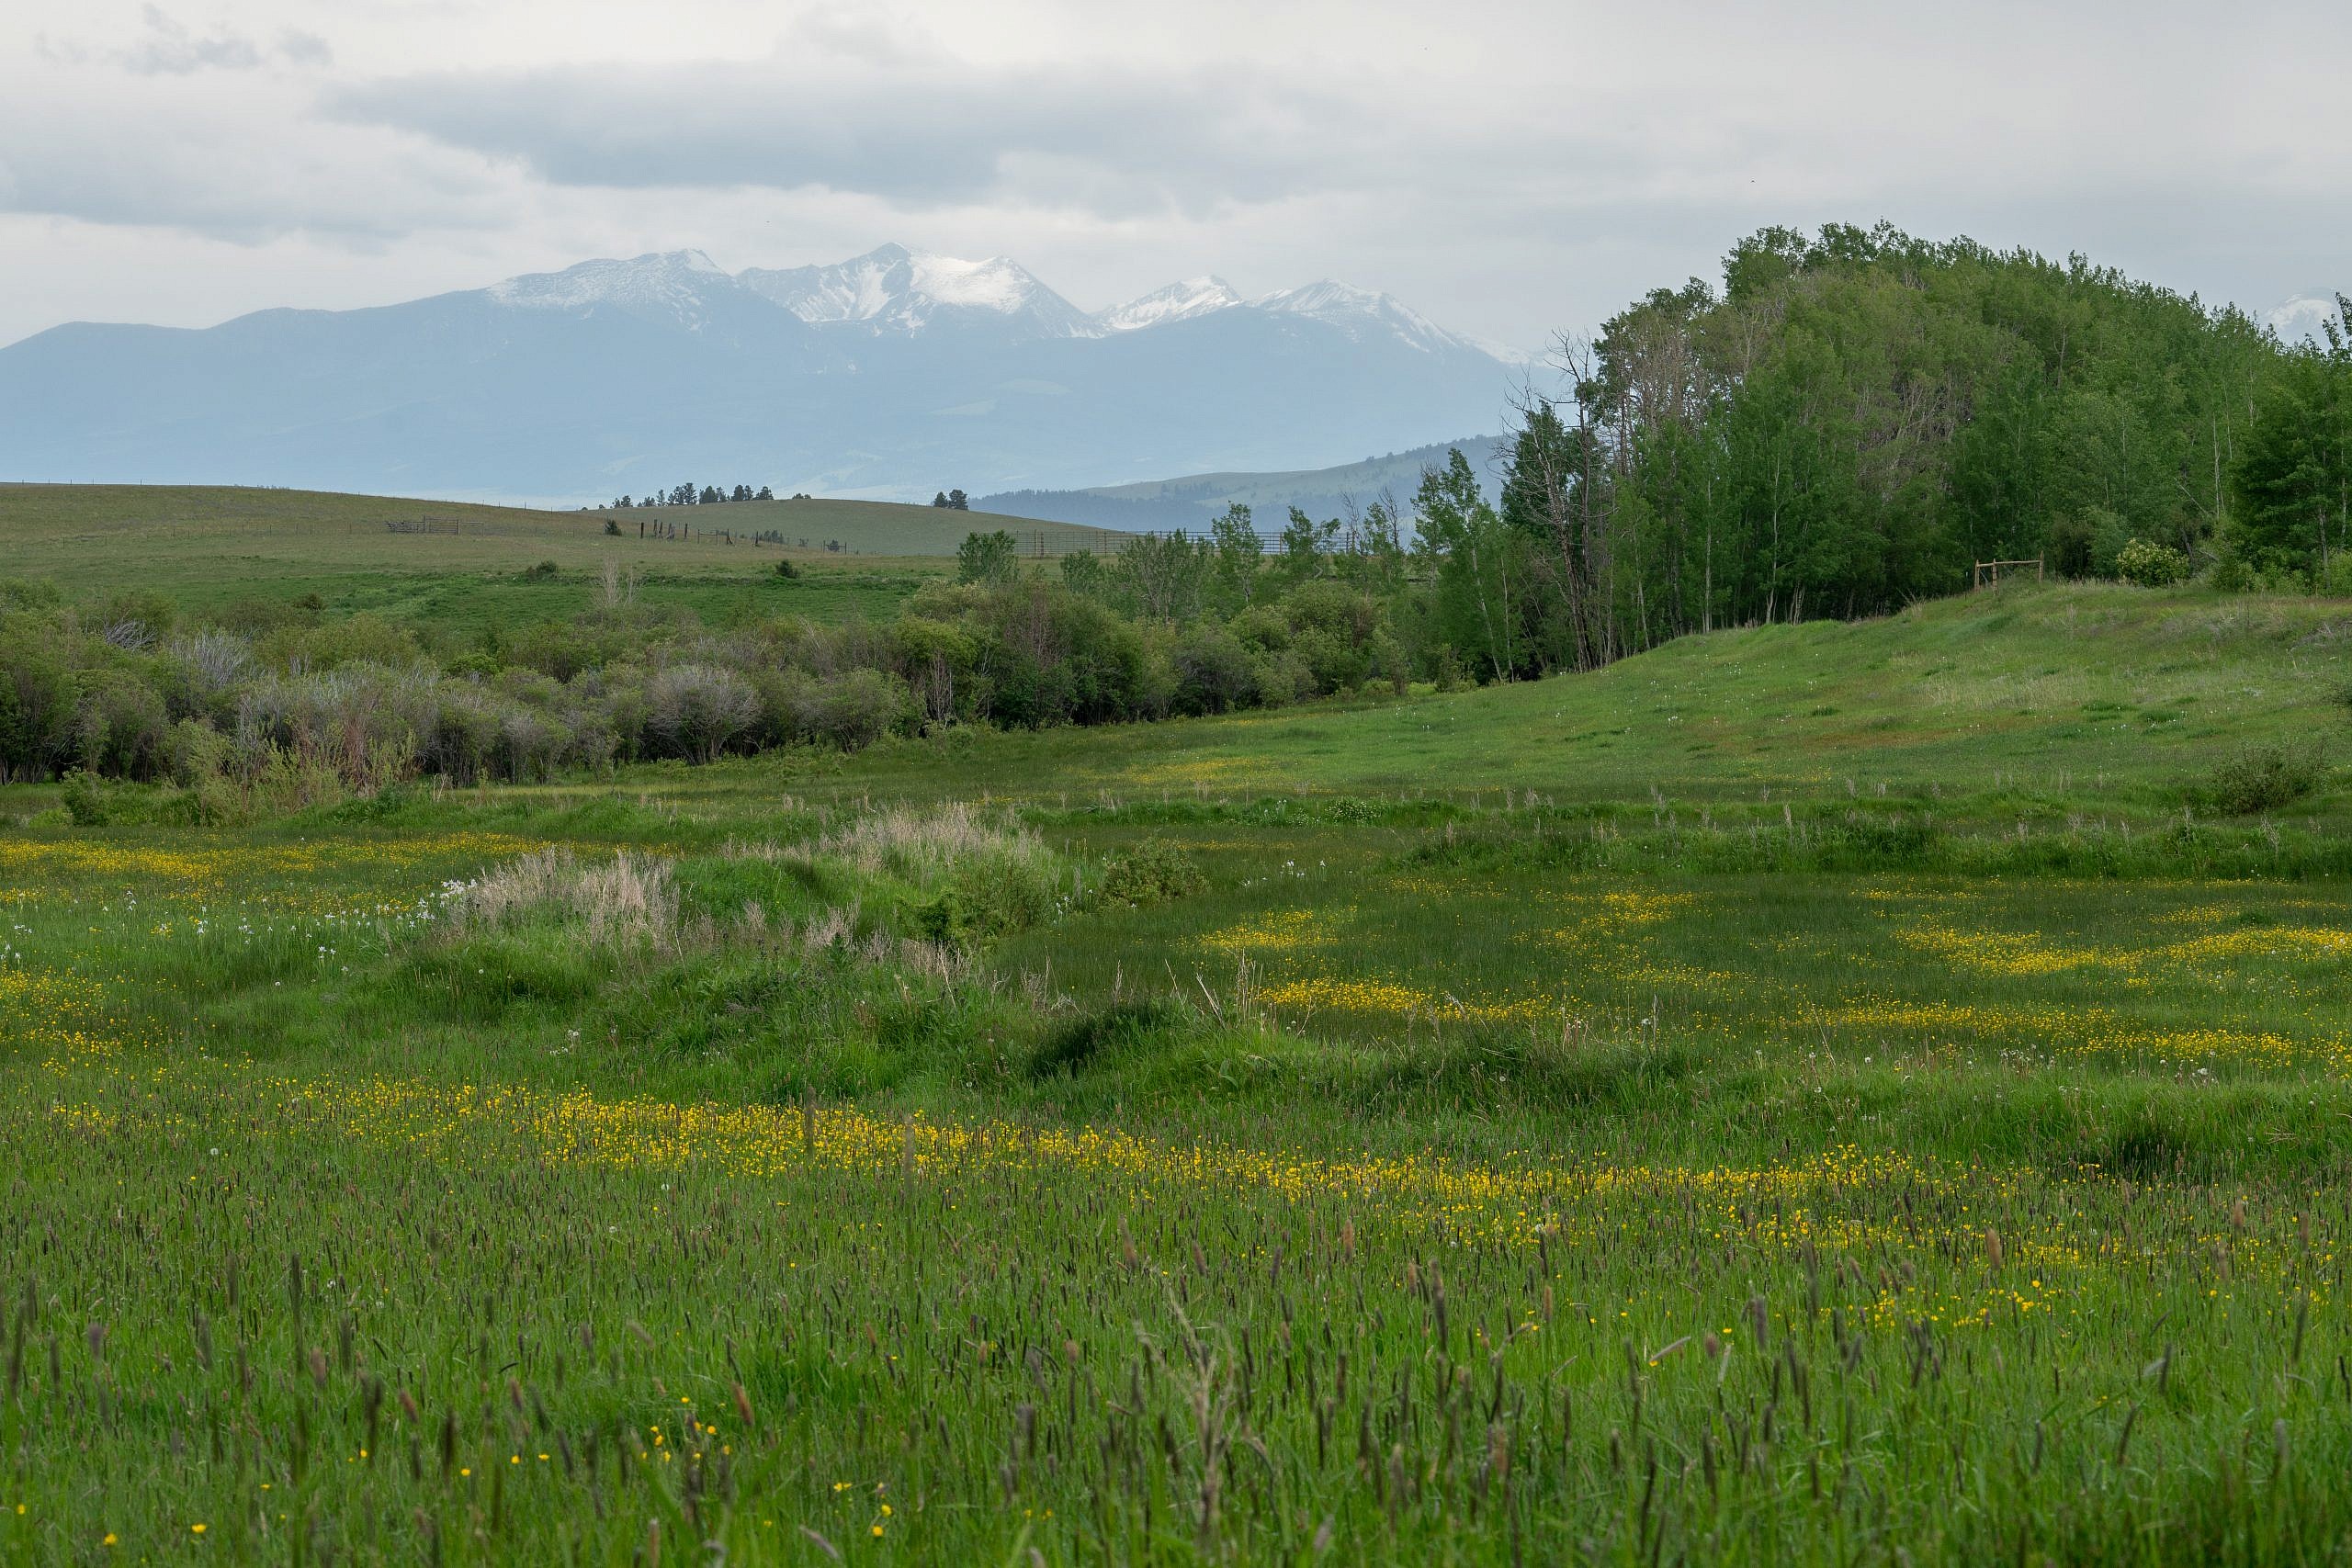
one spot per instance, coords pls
(38, 696)
(1083, 573)
(1234, 539)
(1476, 567)
(1162, 575)
(2292, 480)
(1305, 545)
(988, 557)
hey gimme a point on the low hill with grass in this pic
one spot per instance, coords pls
(206, 547)
(2072, 690)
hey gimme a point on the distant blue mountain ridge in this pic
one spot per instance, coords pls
(1191, 502)
(890, 376)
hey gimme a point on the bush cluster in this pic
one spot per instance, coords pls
(278, 707)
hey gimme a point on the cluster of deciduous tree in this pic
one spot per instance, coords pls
(131, 688)
(1858, 418)
(694, 495)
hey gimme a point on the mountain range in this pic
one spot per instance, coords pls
(1193, 501)
(892, 376)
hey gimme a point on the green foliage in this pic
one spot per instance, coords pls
(2292, 477)
(1153, 872)
(2264, 778)
(1858, 418)
(2151, 565)
(1079, 1045)
(987, 558)
(85, 799)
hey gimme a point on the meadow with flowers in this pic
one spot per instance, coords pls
(1849, 1094)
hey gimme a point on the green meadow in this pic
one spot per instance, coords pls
(461, 567)
(1865, 1092)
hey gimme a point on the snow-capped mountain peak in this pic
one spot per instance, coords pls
(1176, 302)
(673, 281)
(893, 288)
(893, 292)
(1358, 311)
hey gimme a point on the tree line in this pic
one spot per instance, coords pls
(1858, 418)
(695, 495)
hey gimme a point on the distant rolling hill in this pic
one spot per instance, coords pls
(459, 564)
(890, 376)
(1190, 502)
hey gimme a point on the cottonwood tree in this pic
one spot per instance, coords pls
(1234, 539)
(988, 557)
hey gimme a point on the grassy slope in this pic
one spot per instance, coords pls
(2083, 693)
(887, 528)
(207, 546)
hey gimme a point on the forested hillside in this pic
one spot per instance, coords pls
(1855, 419)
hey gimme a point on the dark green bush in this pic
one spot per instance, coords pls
(1153, 873)
(87, 800)
(2264, 778)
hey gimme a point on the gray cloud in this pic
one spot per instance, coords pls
(170, 50)
(922, 135)
(298, 48)
(167, 47)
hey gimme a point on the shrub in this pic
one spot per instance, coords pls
(856, 710)
(199, 757)
(1214, 673)
(1153, 873)
(699, 709)
(785, 570)
(971, 879)
(2151, 565)
(87, 799)
(2264, 778)
(1450, 676)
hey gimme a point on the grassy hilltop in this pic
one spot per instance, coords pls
(460, 566)
(1867, 1093)
(2094, 695)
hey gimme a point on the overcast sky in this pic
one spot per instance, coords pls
(1511, 167)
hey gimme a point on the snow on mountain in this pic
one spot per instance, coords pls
(669, 283)
(892, 374)
(1360, 312)
(893, 289)
(1177, 302)
(2303, 317)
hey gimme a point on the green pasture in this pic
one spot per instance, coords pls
(1804, 1094)
(463, 568)
(2085, 699)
